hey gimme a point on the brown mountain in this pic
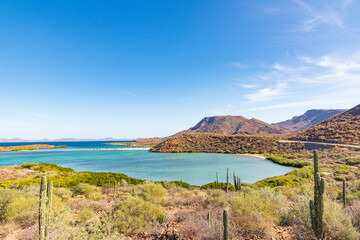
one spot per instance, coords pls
(233, 125)
(342, 128)
(308, 119)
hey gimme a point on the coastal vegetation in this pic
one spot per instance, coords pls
(88, 205)
(26, 147)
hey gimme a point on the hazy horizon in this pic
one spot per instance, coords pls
(130, 69)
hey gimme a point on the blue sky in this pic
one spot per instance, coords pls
(132, 68)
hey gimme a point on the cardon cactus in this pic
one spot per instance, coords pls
(227, 180)
(235, 181)
(226, 224)
(317, 205)
(48, 209)
(45, 209)
(42, 208)
(238, 183)
(344, 193)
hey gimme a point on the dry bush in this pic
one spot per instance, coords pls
(84, 189)
(258, 211)
(204, 224)
(78, 203)
(337, 223)
(63, 193)
(7, 228)
(151, 192)
(134, 215)
(183, 197)
(101, 206)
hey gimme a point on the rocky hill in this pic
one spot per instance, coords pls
(308, 119)
(233, 125)
(342, 128)
(217, 143)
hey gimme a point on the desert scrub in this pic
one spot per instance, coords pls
(337, 223)
(85, 215)
(134, 215)
(17, 207)
(90, 192)
(42, 167)
(152, 192)
(352, 161)
(63, 193)
(217, 198)
(291, 179)
(286, 161)
(258, 211)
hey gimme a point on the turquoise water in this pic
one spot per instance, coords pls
(193, 168)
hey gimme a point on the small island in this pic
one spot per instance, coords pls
(28, 147)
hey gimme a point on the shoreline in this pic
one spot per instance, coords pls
(253, 155)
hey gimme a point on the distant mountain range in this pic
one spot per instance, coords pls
(342, 128)
(60, 140)
(233, 125)
(308, 119)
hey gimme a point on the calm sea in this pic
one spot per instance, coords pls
(193, 168)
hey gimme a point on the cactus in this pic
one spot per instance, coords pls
(209, 217)
(217, 180)
(48, 209)
(115, 183)
(317, 206)
(42, 208)
(227, 181)
(226, 224)
(235, 181)
(344, 193)
(238, 183)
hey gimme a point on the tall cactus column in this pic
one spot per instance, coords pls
(344, 193)
(226, 224)
(48, 209)
(227, 181)
(317, 205)
(42, 208)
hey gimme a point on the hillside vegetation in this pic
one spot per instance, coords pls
(216, 143)
(342, 128)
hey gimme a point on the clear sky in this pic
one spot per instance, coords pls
(134, 68)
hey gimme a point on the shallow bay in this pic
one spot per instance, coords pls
(193, 168)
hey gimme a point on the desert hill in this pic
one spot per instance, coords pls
(233, 125)
(308, 119)
(216, 143)
(342, 128)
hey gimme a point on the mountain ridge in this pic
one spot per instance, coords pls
(341, 128)
(233, 125)
(309, 118)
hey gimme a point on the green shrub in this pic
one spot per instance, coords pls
(352, 161)
(152, 192)
(63, 193)
(341, 171)
(217, 198)
(287, 162)
(257, 211)
(85, 215)
(134, 215)
(87, 190)
(293, 178)
(45, 167)
(18, 207)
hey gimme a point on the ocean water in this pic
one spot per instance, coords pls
(193, 168)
